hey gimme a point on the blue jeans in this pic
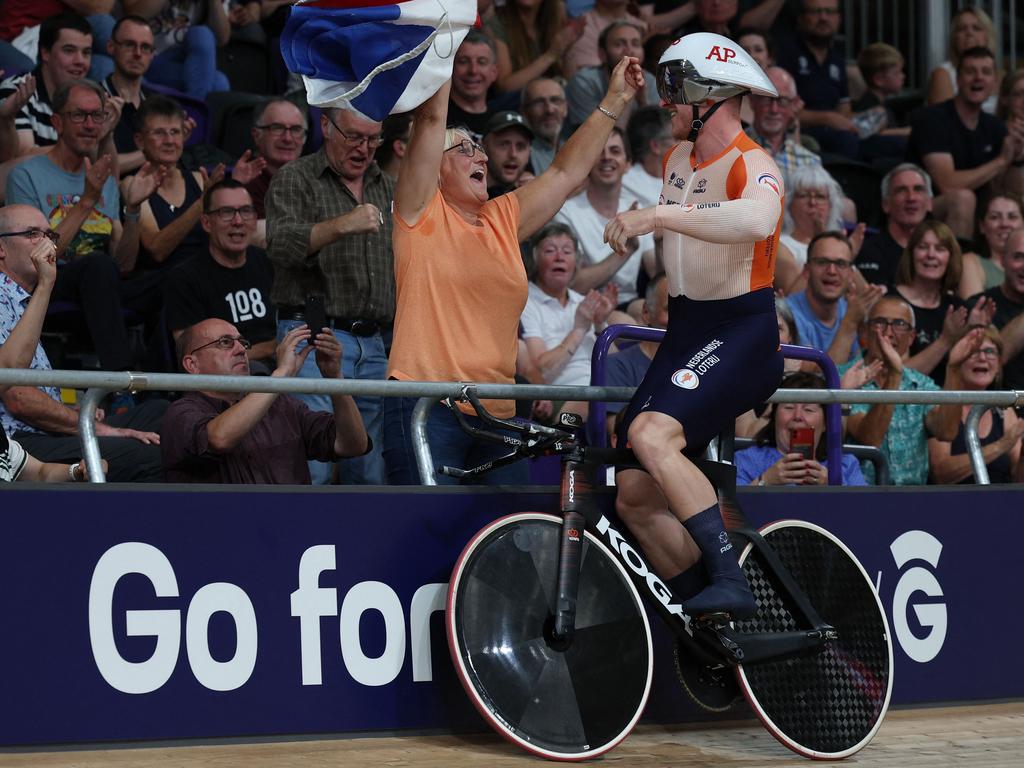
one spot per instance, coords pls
(362, 357)
(449, 446)
(191, 66)
(102, 64)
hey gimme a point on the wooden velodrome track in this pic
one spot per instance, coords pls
(989, 735)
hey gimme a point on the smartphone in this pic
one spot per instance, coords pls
(801, 440)
(316, 315)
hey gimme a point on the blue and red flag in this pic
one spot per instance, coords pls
(374, 57)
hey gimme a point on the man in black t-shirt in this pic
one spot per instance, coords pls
(232, 281)
(965, 149)
(906, 201)
(131, 47)
(474, 71)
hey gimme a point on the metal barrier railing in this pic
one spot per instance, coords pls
(98, 383)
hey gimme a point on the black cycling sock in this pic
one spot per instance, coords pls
(728, 590)
(688, 583)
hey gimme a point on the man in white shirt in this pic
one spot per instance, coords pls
(588, 213)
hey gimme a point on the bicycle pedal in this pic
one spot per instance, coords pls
(714, 620)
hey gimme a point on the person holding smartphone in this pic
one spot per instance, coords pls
(790, 448)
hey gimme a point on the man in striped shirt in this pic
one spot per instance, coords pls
(26, 126)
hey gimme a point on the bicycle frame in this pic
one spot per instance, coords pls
(713, 641)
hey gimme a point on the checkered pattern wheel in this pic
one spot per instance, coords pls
(828, 704)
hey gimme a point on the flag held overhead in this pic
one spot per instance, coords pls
(374, 57)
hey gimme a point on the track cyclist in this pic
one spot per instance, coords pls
(720, 215)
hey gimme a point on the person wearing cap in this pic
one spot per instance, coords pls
(461, 283)
(507, 144)
(720, 216)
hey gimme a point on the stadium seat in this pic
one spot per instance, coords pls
(232, 120)
(246, 65)
(861, 183)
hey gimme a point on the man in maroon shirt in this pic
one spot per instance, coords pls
(227, 437)
(278, 133)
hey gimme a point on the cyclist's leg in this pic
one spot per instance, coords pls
(658, 441)
(670, 550)
(717, 359)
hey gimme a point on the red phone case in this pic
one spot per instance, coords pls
(801, 440)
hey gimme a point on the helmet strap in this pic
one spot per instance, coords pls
(697, 122)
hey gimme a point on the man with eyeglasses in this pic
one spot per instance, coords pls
(775, 126)
(65, 51)
(231, 280)
(187, 34)
(902, 430)
(278, 133)
(329, 234)
(35, 416)
(131, 47)
(82, 201)
(821, 310)
(169, 227)
(227, 437)
(818, 66)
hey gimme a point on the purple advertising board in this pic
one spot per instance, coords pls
(157, 613)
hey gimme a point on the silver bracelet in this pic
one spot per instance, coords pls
(72, 468)
(607, 112)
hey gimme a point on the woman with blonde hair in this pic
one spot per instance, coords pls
(814, 204)
(461, 285)
(999, 429)
(970, 27)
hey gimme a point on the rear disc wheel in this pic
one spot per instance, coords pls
(828, 704)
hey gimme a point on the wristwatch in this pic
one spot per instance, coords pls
(129, 216)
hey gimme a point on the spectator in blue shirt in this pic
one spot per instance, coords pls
(773, 461)
(820, 310)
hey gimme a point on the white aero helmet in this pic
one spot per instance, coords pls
(705, 66)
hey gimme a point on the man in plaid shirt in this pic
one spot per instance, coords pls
(329, 235)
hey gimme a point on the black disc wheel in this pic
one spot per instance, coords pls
(827, 704)
(561, 701)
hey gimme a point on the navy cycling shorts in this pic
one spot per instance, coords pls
(718, 359)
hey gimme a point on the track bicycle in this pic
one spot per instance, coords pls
(550, 639)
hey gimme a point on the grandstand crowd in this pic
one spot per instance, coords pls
(172, 203)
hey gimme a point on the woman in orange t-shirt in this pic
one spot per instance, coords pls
(460, 278)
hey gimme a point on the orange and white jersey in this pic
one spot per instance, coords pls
(721, 220)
